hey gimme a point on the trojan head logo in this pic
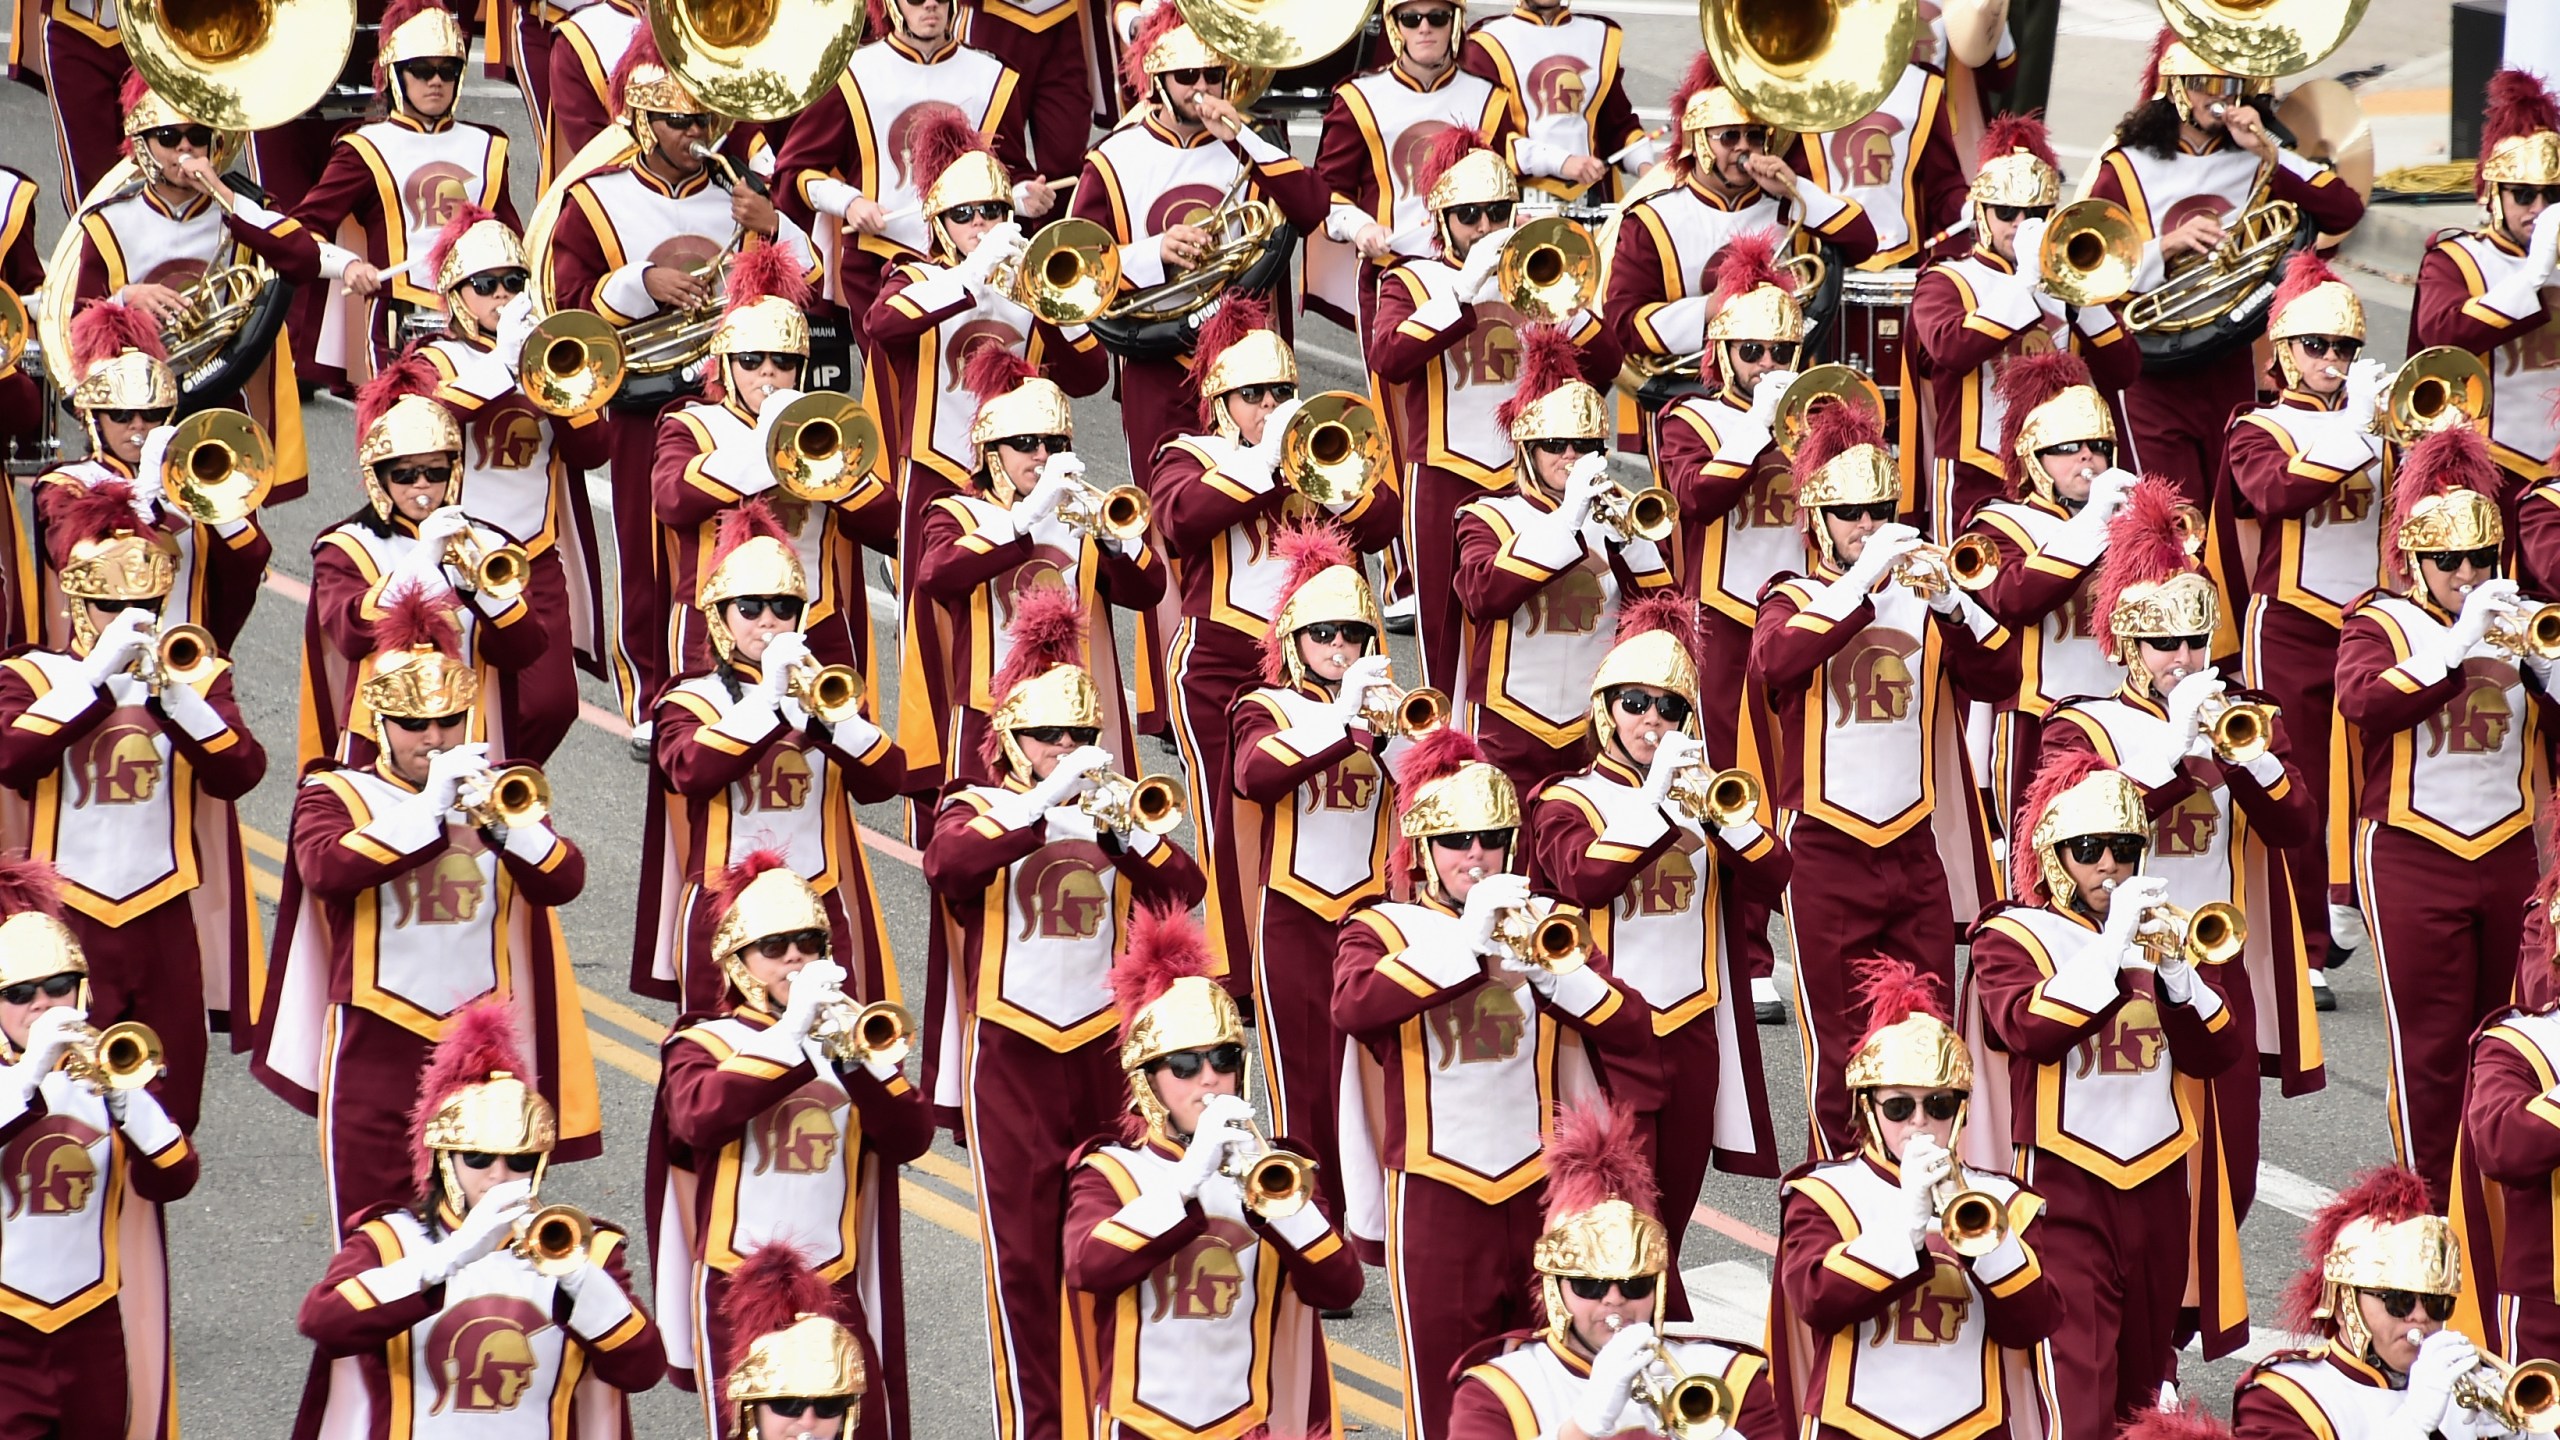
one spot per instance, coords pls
(1490, 353)
(48, 1169)
(1871, 679)
(902, 129)
(447, 892)
(2536, 349)
(480, 1353)
(1480, 1027)
(432, 192)
(2073, 619)
(2130, 1045)
(1060, 891)
(1350, 785)
(780, 782)
(1770, 503)
(2477, 721)
(117, 763)
(1928, 38)
(1863, 153)
(800, 1135)
(684, 252)
(507, 435)
(176, 274)
(964, 342)
(2034, 340)
(2350, 500)
(1572, 605)
(2189, 828)
(1405, 160)
(2217, 206)
(1669, 885)
(1205, 1279)
(1182, 205)
(1557, 85)
(1932, 1313)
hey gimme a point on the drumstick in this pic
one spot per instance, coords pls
(1629, 148)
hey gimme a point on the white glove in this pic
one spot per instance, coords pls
(2542, 252)
(118, 646)
(1222, 1126)
(1485, 903)
(994, 248)
(782, 652)
(2367, 381)
(2107, 490)
(2480, 609)
(1613, 1378)
(1885, 545)
(1925, 1163)
(190, 711)
(515, 323)
(148, 490)
(1584, 483)
(1484, 262)
(1058, 474)
(2133, 899)
(446, 771)
(1067, 776)
(816, 983)
(1366, 673)
(2027, 244)
(1277, 425)
(1765, 395)
(490, 1225)
(442, 526)
(2443, 1358)
(2186, 711)
(1674, 752)
(49, 1037)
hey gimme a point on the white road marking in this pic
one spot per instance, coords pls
(1729, 1299)
(2296, 1195)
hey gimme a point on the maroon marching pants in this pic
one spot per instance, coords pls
(1301, 1051)
(1458, 1271)
(640, 661)
(2178, 420)
(1725, 649)
(1684, 1130)
(366, 1093)
(2119, 1260)
(84, 80)
(68, 1385)
(150, 969)
(1431, 553)
(2292, 655)
(1210, 665)
(1058, 95)
(539, 703)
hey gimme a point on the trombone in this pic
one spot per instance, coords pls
(124, 1056)
(1687, 1405)
(554, 1238)
(1722, 799)
(1067, 274)
(1557, 942)
(883, 1030)
(2240, 729)
(2435, 389)
(2090, 252)
(821, 447)
(219, 466)
(1971, 1218)
(184, 654)
(2525, 632)
(571, 364)
(1387, 710)
(833, 693)
(1550, 267)
(1120, 513)
(2524, 1395)
(499, 571)
(2210, 934)
(515, 797)
(1651, 513)
(1120, 804)
(1277, 1183)
(1335, 449)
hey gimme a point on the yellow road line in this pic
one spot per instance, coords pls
(949, 1172)
(262, 843)
(638, 1065)
(1369, 1367)
(614, 1012)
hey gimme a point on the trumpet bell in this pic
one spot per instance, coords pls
(1550, 268)
(501, 572)
(240, 64)
(1155, 803)
(1335, 449)
(1810, 66)
(555, 1239)
(756, 59)
(127, 1055)
(2241, 731)
(2535, 632)
(186, 654)
(1279, 1183)
(1119, 513)
(884, 1029)
(2263, 37)
(2531, 1395)
(1973, 1222)
(2090, 251)
(2216, 934)
(822, 447)
(1973, 561)
(1651, 513)
(1069, 273)
(2435, 389)
(571, 364)
(220, 466)
(833, 693)
(1696, 1407)
(520, 795)
(1822, 385)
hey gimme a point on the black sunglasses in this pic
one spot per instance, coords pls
(1416, 19)
(1199, 75)
(1592, 446)
(759, 359)
(1325, 632)
(482, 1160)
(1185, 1064)
(24, 992)
(129, 417)
(447, 70)
(775, 947)
(2172, 644)
(2449, 561)
(1898, 1108)
(2320, 347)
(491, 282)
(2087, 848)
(418, 475)
(2103, 449)
(2527, 194)
(1750, 351)
(833, 1407)
(1669, 707)
(685, 120)
(419, 724)
(1061, 734)
(200, 136)
(990, 211)
(1474, 839)
(1756, 136)
(752, 607)
(1038, 444)
(1879, 510)
(2012, 214)
(1634, 1287)
(2399, 1303)
(1497, 211)
(2215, 84)
(148, 604)
(1256, 394)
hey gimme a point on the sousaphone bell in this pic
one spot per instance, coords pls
(1809, 66)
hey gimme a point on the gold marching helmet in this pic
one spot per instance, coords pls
(397, 414)
(473, 242)
(1458, 169)
(414, 30)
(1237, 347)
(766, 311)
(759, 897)
(1043, 682)
(2519, 136)
(2149, 585)
(477, 1095)
(118, 362)
(1753, 300)
(2174, 60)
(145, 109)
(1323, 584)
(1842, 461)
(2440, 502)
(1658, 642)
(950, 163)
(1444, 786)
(2049, 400)
(101, 552)
(1601, 1195)
(1164, 41)
(1014, 398)
(1168, 1002)
(1910, 1042)
(34, 943)
(752, 556)
(416, 671)
(2312, 300)
(643, 86)
(787, 1339)
(2074, 794)
(2381, 1233)
(1552, 401)
(2018, 168)
(1703, 102)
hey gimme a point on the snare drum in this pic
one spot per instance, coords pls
(1866, 333)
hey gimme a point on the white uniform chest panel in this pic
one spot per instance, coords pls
(805, 524)
(506, 455)
(1471, 379)
(2178, 189)
(792, 1171)
(1162, 184)
(1760, 535)
(387, 551)
(1553, 1388)
(779, 803)
(1557, 640)
(1199, 1314)
(438, 938)
(897, 93)
(1251, 573)
(432, 176)
(1562, 71)
(2355, 1410)
(164, 249)
(2520, 381)
(116, 832)
(491, 1362)
(1480, 1070)
(1926, 1363)
(2467, 760)
(1060, 925)
(608, 30)
(60, 1178)
(1698, 230)
(1984, 412)
(2339, 542)
(1408, 121)
(2191, 842)
(990, 319)
(1867, 741)
(679, 231)
(1660, 942)
(1869, 160)
(2070, 658)
(1057, 553)
(2116, 1092)
(1334, 815)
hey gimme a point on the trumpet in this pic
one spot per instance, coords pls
(1120, 804)
(833, 693)
(1721, 799)
(883, 1030)
(2522, 632)
(2210, 934)
(1335, 449)
(1390, 711)
(1550, 267)
(821, 447)
(1651, 513)
(1277, 1183)
(219, 466)
(554, 1238)
(515, 797)
(1557, 942)
(1686, 1406)
(2240, 729)
(499, 571)
(181, 653)
(2524, 1395)
(571, 364)
(1973, 1219)
(1119, 513)
(124, 1056)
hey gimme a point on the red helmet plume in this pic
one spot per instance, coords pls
(106, 328)
(2017, 132)
(1594, 1156)
(766, 272)
(86, 513)
(724, 888)
(2302, 273)
(1047, 630)
(2519, 104)
(1161, 945)
(2061, 771)
(2454, 458)
(643, 52)
(1547, 360)
(1309, 547)
(772, 1287)
(1701, 75)
(2385, 1193)
(2160, 44)
(1747, 262)
(415, 615)
(412, 374)
(2144, 547)
(1237, 316)
(479, 1042)
(1891, 991)
(994, 370)
(1434, 756)
(1159, 19)
(2023, 383)
(1833, 431)
(1446, 149)
(1676, 614)
(741, 523)
(465, 215)
(2186, 1422)
(940, 137)
(28, 884)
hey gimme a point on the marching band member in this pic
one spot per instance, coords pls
(1562, 75)
(88, 1166)
(2309, 467)
(145, 244)
(123, 774)
(1657, 872)
(2482, 289)
(773, 1133)
(1857, 658)
(852, 157)
(1311, 777)
(1153, 183)
(407, 898)
(1204, 1287)
(1464, 1027)
(634, 239)
(522, 472)
(2216, 815)
(933, 312)
(1910, 1332)
(1605, 1265)
(2189, 159)
(1222, 499)
(400, 179)
(983, 552)
(24, 421)
(2382, 1275)
(2094, 1034)
(2508, 1142)
(1446, 346)
(715, 453)
(587, 47)
(796, 1368)
(746, 763)
(1036, 873)
(1542, 579)
(124, 393)
(1974, 315)
(410, 534)
(435, 1305)
(2058, 449)
(1729, 182)
(1899, 161)
(2446, 714)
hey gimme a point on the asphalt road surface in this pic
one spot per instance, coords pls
(254, 1237)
